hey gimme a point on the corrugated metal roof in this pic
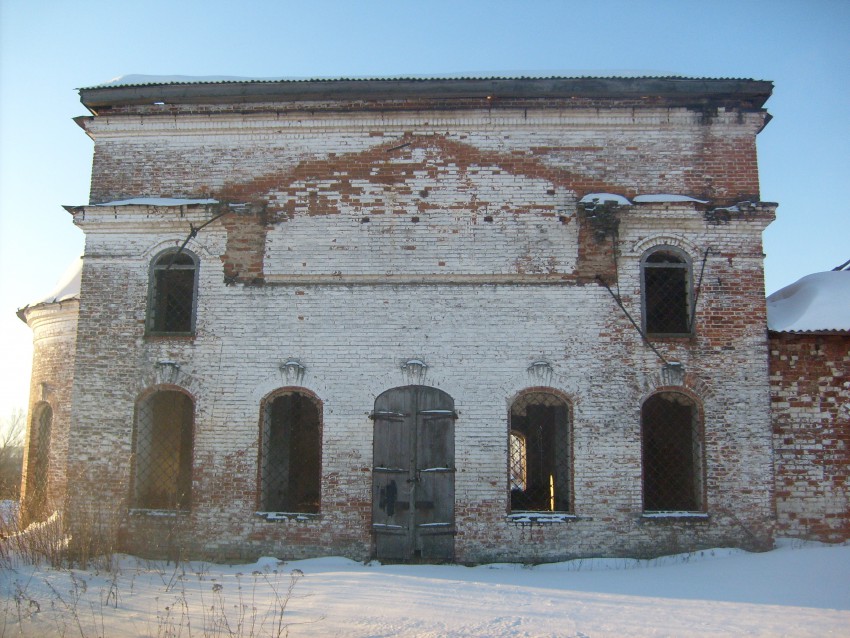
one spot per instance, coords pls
(176, 90)
(166, 80)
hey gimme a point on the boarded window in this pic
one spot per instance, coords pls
(672, 454)
(666, 292)
(291, 454)
(171, 303)
(539, 448)
(162, 447)
(38, 464)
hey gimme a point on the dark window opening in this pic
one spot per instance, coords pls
(291, 455)
(171, 307)
(672, 454)
(539, 454)
(162, 450)
(666, 293)
(38, 464)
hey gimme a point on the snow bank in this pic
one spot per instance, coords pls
(796, 590)
(818, 302)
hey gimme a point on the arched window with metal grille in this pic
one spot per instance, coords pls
(539, 464)
(36, 505)
(672, 451)
(173, 293)
(291, 453)
(667, 291)
(163, 441)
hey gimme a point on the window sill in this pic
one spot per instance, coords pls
(139, 511)
(301, 517)
(162, 336)
(674, 336)
(540, 518)
(690, 516)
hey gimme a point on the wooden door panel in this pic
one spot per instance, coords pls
(413, 474)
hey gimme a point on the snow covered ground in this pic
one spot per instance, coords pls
(795, 590)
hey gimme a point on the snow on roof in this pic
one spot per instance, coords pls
(158, 201)
(604, 197)
(816, 303)
(67, 287)
(665, 198)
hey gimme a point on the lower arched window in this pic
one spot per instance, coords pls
(162, 451)
(672, 453)
(539, 453)
(38, 464)
(291, 453)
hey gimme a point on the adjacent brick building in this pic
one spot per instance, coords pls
(809, 324)
(466, 319)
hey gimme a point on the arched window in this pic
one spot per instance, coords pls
(540, 458)
(291, 453)
(162, 451)
(38, 463)
(672, 453)
(172, 293)
(666, 285)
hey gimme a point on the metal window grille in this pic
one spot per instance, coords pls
(38, 464)
(672, 454)
(163, 451)
(291, 455)
(518, 461)
(172, 300)
(542, 420)
(666, 293)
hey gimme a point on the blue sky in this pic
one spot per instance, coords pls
(49, 47)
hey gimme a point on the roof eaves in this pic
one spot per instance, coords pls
(189, 80)
(177, 89)
(824, 331)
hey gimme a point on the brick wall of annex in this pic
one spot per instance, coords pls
(810, 395)
(430, 236)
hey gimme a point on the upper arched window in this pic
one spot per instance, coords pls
(666, 287)
(173, 293)
(539, 456)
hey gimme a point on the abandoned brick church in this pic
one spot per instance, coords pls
(414, 319)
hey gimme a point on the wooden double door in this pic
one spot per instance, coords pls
(413, 474)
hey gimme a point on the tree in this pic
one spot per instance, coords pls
(12, 431)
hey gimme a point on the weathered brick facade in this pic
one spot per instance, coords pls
(369, 228)
(810, 394)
